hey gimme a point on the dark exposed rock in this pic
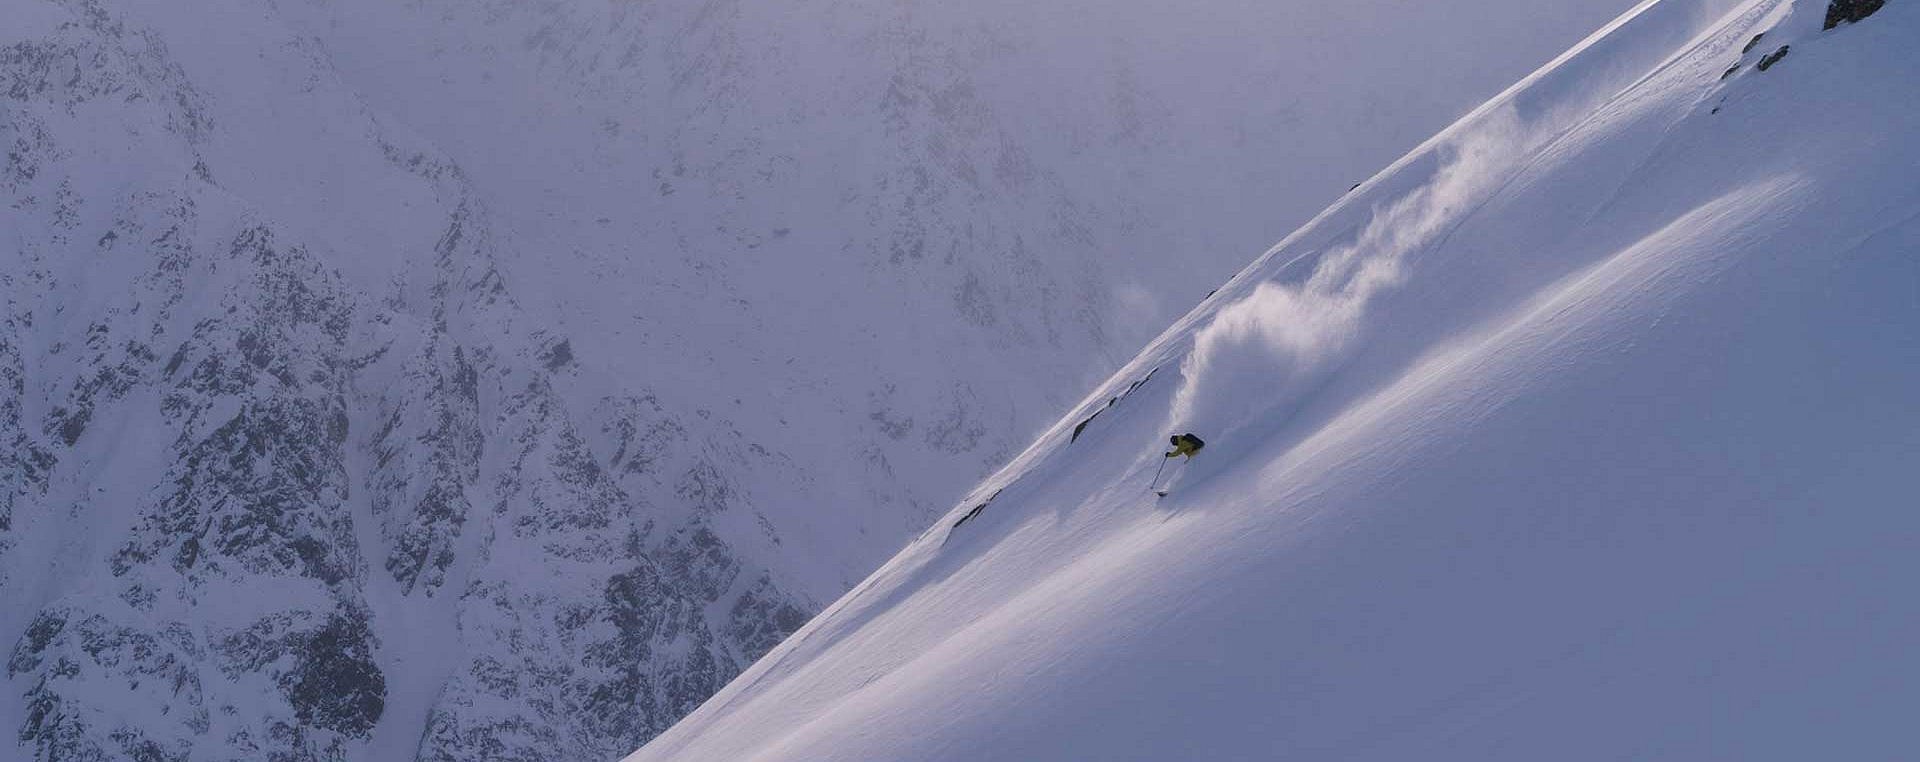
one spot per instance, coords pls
(1767, 61)
(628, 701)
(427, 452)
(643, 434)
(259, 494)
(40, 634)
(700, 563)
(24, 462)
(705, 487)
(1848, 11)
(558, 356)
(763, 617)
(336, 685)
(970, 515)
(332, 681)
(64, 652)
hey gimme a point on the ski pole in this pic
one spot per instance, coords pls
(1156, 473)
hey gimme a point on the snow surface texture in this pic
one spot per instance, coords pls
(1586, 431)
(495, 379)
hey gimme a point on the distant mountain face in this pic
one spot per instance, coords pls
(497, 380)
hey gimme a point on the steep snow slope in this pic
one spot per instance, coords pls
(1585, 432)
(497, 379)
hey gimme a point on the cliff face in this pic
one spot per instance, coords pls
(261, 503)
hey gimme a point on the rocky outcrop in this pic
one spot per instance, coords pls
(1848, 11)
(1767, 61)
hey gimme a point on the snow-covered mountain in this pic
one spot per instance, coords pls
(496, 380)
(1585, 431)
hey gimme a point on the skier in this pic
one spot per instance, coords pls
(1185, 444)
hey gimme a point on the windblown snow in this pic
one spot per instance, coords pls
(1585, 431)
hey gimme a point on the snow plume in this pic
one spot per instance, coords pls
(1262, 356)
